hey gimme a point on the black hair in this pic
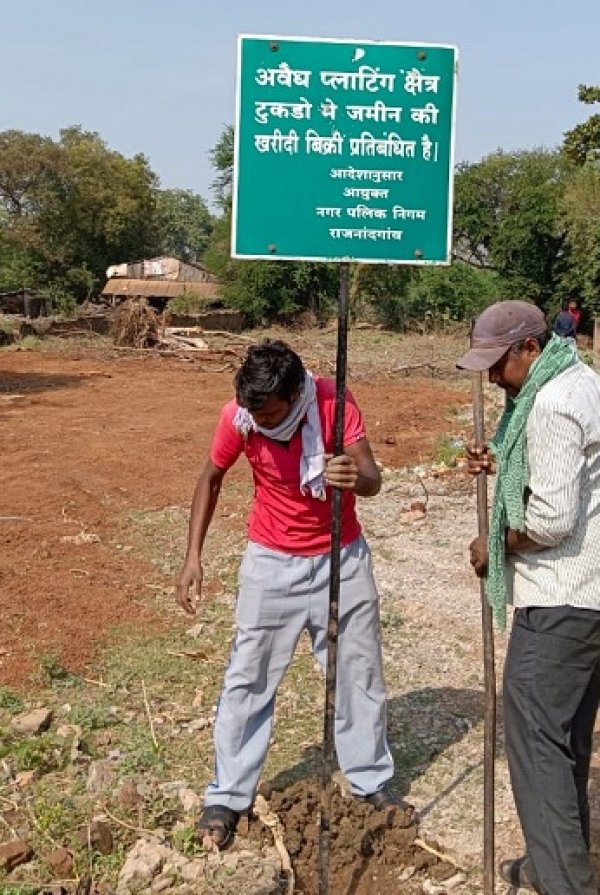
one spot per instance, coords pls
(269, 369)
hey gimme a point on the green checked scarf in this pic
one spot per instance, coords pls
(510, 448)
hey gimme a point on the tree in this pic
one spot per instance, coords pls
(581, 216)
(19, 269)
(222, 159)
(440, 296)
(278, 290)
(108, 213)
(580, 205)
(397, 296)
(30, 174)
(507, 219)
(423, 298)
(185, 224)
(582, 143)
(71, 207)
(380, 291)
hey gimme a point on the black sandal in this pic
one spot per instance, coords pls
(514, 872)
(385, 800)
(219, 823)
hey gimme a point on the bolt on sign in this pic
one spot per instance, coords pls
(343, 150)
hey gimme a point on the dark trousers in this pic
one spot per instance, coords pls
(551, 695)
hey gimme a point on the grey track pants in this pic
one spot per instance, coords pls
(279, 597)
(551, 695)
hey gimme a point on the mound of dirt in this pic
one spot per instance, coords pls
(372, 852)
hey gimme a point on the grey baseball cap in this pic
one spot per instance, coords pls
(498, 328)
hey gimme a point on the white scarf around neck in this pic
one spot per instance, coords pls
(312, 459)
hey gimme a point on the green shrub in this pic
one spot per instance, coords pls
(62, 303)
(187, 303)
(10, 701)
(6, 325)
(28, 343)
(42, 753)
(51, 671)
(448, 450)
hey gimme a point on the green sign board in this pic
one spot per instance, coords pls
(344, 150)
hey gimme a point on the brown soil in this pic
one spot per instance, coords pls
(86, 438)
(371, 852)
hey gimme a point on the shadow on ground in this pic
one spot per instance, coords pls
(422, 724)
(29, 383)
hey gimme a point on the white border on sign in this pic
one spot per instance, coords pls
(346, 258)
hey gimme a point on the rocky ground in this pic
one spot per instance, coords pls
(432, 648)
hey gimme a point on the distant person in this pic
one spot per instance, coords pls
(282, 419)
(564, 323)
(575, 313)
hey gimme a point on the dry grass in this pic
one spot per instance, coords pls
(136, 325)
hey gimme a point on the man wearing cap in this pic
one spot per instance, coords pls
(543, 556)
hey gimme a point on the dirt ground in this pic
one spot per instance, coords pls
(87, 437)
(98, 446)
(371, 852)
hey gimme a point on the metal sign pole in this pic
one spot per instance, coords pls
(334, 591)
(294, 193)
(489, 673)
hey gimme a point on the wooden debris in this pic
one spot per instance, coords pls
(149, 716)
(136, 325)
(438, 854)
(183, 337)
(270, 820)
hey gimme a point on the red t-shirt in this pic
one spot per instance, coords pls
(282, 517)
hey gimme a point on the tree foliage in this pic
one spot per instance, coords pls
(380, 291)
(440, 296)
(68, 208)
(580, 205)
(422, 298)
(507, 219)
(582, 143)
(511, 238)
(526, 225)
(581, 216)
(222, 159)
(278, 290)
(185, 224)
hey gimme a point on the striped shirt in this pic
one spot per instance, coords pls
(563, 510)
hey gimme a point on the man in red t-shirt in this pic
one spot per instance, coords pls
(573, 309)
(282, 419)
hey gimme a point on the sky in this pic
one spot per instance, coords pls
(158, 76)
